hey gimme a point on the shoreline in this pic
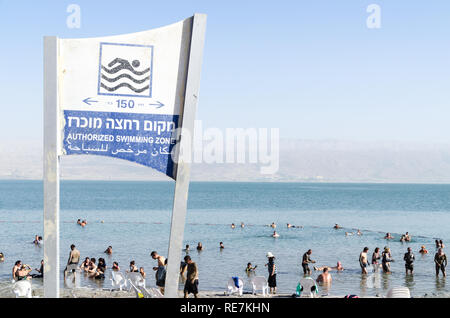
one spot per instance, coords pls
(86, 292)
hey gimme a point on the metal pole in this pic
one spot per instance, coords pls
(183, 168)
(51, 169)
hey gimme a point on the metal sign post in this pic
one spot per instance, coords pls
(51, 169)
(183, 168)
(122, 96)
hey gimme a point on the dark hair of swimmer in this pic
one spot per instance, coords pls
(72, 246)
(325, 269)
(366, 249)
(93, 260)
(377, 249)
(187, 258)
(17, 263)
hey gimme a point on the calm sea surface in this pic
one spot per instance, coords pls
(136, 220)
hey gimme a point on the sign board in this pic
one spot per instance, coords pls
(125, 97)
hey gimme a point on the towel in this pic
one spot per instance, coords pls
(236, 281)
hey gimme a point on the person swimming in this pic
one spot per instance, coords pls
(242, 225)
(275, 234)
(359, 233)
(221, 246)
(273, 225)
(233, 226)
(388, 236)
(250, 268)
(337, 226)
(423, 250)
(199, 246)
(2, 257)
(108, 250)
(115, 267)
(338, 267)
(133, 267)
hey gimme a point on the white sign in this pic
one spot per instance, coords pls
(121, 96)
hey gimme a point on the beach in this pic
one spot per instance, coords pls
(134, 218)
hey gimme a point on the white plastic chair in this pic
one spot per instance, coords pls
(309, 288)
(398, 292)
(260, 283)
(231, 287)
(156, 293)
(118, 280)
(150, 293)
(136, 278)
(22, 288)
(139, 294)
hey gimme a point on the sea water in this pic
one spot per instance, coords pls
(134, 218)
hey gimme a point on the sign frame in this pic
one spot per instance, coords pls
(53, 152)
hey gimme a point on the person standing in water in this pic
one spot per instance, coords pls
(191, 285)
(272, 269)
(440, 260)
(409, 259)
(74, 258)
(160, 275)
(306, 259)
(325, 277)
(375, 259)
(386, 260)
(363, 260)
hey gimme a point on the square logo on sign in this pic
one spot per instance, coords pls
(125, 70)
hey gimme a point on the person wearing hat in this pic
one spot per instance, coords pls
(423, 250)
(272, 268)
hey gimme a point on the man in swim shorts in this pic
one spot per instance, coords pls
(306, 259)
(363, 260)
(191, 285)
(160, 271)
(440, 259)
(409, 260)
(74, 258)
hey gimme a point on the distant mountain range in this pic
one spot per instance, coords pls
(300, 161)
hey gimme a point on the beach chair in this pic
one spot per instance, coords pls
(232, 289)
(308, 288)
(156, 293)
(22, 288)
(118, 280)
(136, 279)
(260, 283)
(150, 293)
(138, 293)
(398, 292)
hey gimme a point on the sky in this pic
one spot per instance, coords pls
(311, 68)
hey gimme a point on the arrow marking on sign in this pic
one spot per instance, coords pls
(158, 104)
(89, 101)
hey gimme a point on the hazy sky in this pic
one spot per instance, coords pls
(311, 68)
